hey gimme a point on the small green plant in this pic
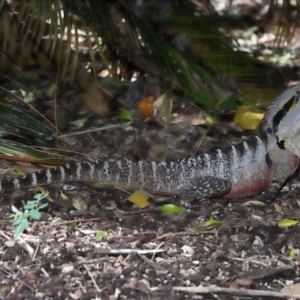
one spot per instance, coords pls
(31, 211)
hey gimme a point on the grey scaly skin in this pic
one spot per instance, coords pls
(259, 164)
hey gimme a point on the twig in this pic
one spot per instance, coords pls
(128, 251)
(237, 292)
(93, 279)
(153, 264)
(16, 277)
(94, 129)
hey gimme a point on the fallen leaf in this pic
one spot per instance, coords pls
(163, 108)
(248, 118)
(211, 222)
(171, 209)
(78, 123)
(292, 253)
(287, 222)
(254, 203)
(63, 196)
(146, 106)
(79, 203)
(100, 235)
(92, 96)
(191, 119)
(125, 114)
(140, 198)
(277, 207)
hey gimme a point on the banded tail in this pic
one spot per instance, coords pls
(235, 171)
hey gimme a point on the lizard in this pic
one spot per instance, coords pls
(261, 163)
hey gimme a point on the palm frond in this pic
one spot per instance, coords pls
(18, 124)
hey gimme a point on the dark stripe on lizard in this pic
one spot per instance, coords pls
(284, 110)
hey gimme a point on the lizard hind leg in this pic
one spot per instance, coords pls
(287, 167)
(205, 188)
(272, 191)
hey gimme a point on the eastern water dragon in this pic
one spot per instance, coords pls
(262, 163)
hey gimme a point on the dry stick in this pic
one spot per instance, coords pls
(169, 234)
(17, 278)
(74, 221)
(85, 262)
(237, 292)
(153, 264)
(128, 251)
(55, 108)
(95, 129)
(93, 279)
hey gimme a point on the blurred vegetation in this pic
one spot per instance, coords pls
(186, 44)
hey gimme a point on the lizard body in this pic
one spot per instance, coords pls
(245, 169)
